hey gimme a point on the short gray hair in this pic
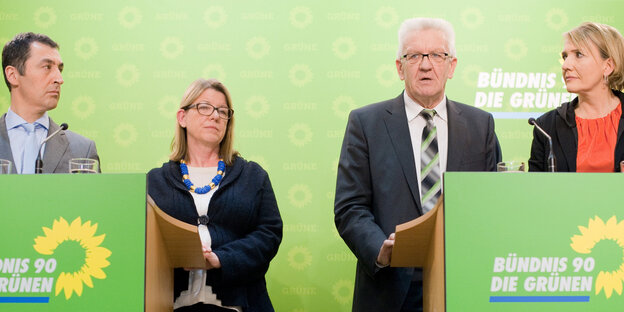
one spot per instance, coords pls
(422, 23)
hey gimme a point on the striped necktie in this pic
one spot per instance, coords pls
(429, 163)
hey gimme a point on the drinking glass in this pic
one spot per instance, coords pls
(5, 166)
(510, 166)
(83, 165)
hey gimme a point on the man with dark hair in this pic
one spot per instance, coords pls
(32, 68)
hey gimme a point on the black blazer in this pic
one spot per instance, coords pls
(560, 124)
(377, 187)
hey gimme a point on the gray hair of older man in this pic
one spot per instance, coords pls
(422, 23)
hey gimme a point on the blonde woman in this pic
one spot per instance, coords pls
(206, 183)
(586, 132)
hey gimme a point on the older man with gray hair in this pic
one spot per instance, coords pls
(392, 159)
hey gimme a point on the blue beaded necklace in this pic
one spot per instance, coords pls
(204, 189)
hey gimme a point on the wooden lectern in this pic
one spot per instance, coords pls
(170, 243)
(420, 243)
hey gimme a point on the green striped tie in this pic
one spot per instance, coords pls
(429, 163)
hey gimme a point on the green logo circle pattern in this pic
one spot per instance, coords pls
(257, 106)
(300, 75)
(129, 17)
(299, 195)
(215, 16)
(45, 17)
(300, 17)
(128, 75)
(258, 47)
(299, 258)
(85, 48)
(386, 17)
(214, 71)
(83, 106)
(125, 134)
(516, 49)
(344, 48)
(171, 47)
(472, 18)
(556, 19)
(300, 134)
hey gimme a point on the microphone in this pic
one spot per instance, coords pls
(39, 161)
(551, 156)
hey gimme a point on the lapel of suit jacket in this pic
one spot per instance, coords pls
(565, 132)
(5, 144)
(457, 130)
(398, 131)
(54, 149)
(567, 140)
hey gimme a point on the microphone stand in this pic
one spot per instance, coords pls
(39, 161)
(551, 156)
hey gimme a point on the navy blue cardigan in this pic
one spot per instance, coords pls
(245, 227)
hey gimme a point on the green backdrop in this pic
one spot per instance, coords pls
(295, 69)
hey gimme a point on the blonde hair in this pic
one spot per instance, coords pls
(610, 44)
(179, 144)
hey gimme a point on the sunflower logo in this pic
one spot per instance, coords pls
(599, 235)
(300, 134)
(342, 105)
(83, 234)
(386, 75)
(386, 17)
(299, 258)
(472, 18)
(516, 49)
(299, 195)
(125, 134)
(214, 71)
(300, 17)
(300, 75)
(215, 16)
(342, 291)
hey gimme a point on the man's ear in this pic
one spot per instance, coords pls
(11, 75)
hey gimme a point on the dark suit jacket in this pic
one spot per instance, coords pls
(560, 124)
(58, 151)
(377, 187)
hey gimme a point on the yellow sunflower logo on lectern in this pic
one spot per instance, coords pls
(83, 234)
(598, 231)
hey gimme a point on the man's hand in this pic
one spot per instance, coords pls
(385, 252)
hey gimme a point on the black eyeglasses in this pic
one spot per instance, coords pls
(207, 110)
(435, 57)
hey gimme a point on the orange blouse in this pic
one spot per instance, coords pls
(596, 142)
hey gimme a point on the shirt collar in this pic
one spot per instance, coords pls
(14, 120)
(413, 109)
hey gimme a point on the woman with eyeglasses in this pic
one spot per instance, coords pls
(206, 183)
(586, 132)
